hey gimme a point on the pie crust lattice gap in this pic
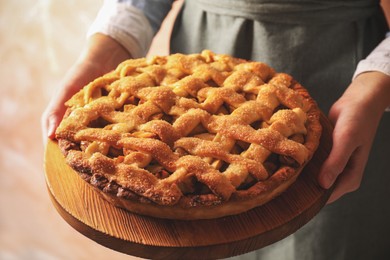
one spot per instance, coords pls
(190, 136)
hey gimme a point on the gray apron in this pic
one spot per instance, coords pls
(320, 44)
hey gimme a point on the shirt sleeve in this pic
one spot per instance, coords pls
(377, 60)
(133, 23)
(154, 10)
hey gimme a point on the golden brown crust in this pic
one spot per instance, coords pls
(190, 136)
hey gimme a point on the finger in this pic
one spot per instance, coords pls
(50, 120)
(350, 179)
(342, 150)
(53, 122)
(46, 125)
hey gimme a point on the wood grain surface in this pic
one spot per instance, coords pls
(148, 237)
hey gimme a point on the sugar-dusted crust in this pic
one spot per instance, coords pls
(190, 136)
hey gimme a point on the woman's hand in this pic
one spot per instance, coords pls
(355, 116)
(101, 55)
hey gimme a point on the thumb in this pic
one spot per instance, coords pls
(50, 120)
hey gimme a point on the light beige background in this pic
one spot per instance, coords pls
(39, 40)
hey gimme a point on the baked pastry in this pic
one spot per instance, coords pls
(190, 136)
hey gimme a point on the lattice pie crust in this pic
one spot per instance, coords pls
(190, 136)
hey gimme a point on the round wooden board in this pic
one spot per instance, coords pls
(148, 237)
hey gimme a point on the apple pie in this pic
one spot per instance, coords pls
(190, 136)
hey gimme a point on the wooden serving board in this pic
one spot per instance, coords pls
(154, 238)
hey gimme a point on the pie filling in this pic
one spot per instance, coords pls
(190, 133)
